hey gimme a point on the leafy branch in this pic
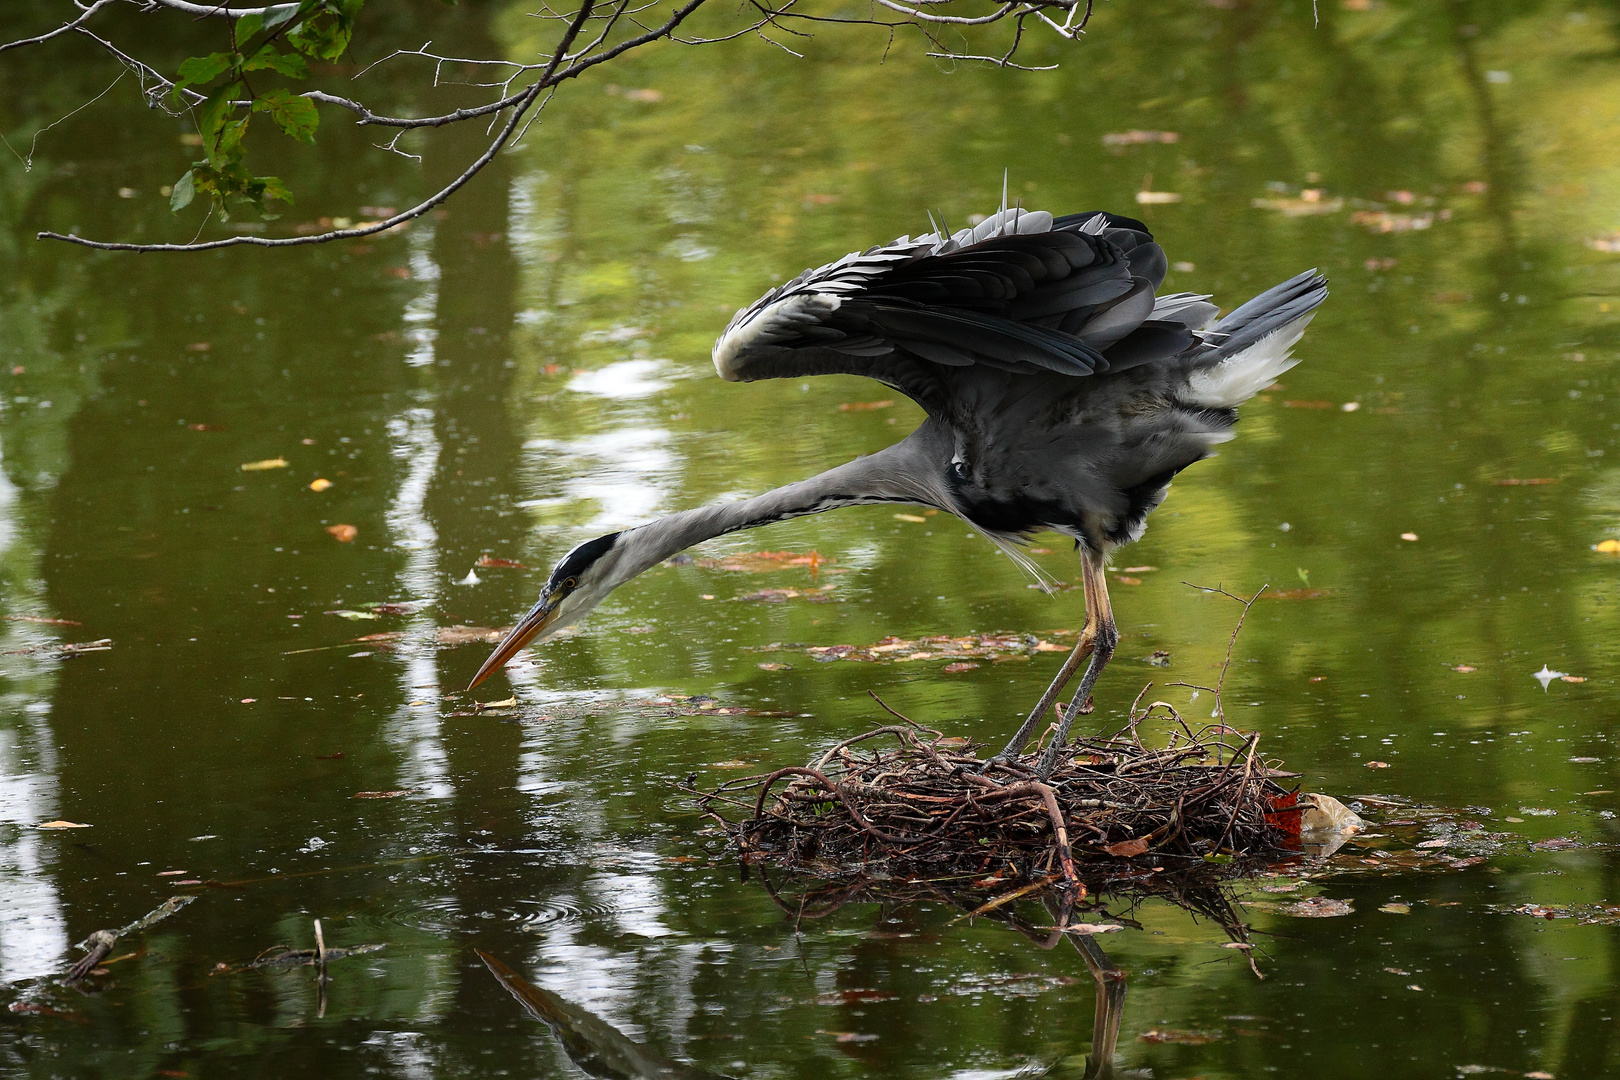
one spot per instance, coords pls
(314, 29)
(223, 90)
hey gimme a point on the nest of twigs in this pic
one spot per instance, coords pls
(903, 799)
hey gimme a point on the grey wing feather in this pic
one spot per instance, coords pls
(1019, 292)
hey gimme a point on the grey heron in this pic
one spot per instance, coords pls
(1061, 393)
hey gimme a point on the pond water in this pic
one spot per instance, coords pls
(1426, 493)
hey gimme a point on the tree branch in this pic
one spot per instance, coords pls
(206, 10)
(63, 29)
(565, 62)
(527, 98)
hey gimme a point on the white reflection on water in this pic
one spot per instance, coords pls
(422, 309)
(627, 473)
(416, 731)
(33, 929)
(622, 380)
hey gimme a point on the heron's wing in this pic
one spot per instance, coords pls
(1022, 292)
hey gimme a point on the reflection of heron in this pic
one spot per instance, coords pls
(1061, 394)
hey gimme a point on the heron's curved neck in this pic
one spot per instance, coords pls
(889, 476)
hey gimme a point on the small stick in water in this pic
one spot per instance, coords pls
(320, 972)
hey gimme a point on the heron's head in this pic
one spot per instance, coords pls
(577, 584)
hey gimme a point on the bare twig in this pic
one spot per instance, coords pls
(518, 105)
(1220, 709)
(63, 29)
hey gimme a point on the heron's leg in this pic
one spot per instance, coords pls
(1102, 650)
(1082, 649)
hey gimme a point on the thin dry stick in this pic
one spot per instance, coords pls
(1220, 709)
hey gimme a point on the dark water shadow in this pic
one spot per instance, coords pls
(1046, 918)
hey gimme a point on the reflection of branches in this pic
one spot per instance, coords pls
(525, 87)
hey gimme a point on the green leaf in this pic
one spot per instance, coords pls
(273, 188)
(215, 116)
(280, 14)
(325, 34)
(184, 192)
(289, 64)
(296, 116)
(204, 69)
(246, 27)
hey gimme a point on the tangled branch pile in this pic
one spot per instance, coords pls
(927, 803)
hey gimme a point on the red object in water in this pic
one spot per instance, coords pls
(1284, 815)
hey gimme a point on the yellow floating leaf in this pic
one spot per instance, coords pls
(320, 484)
(62, 825)
(910, 517)
(343, 534)
(1608, 547)
(1409, 536)
(267, 463)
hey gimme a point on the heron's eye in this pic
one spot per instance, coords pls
(570, 584)
(960, 470)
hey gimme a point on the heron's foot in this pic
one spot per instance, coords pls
(1003, 760)
(1048, 761)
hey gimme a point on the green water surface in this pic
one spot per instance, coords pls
(530, 367)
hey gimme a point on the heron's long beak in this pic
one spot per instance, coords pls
(539, 617)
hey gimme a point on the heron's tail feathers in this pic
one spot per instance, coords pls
(1251, 347)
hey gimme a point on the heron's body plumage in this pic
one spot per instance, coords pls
(1061, 393)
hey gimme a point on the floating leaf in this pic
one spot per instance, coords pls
(864, 406)
(1136, 138)
(491, 562)
(1309, 203)
(62, 825)
(1184, 1038)
(319, 484)
(378, 794)
(1126, 849)
(914, 518)
(1409, 536)
(770, 666)
(267, 463)
(755, 562)
(1464, 669)
(343, 534)
(1396, 909)
(952, 669)
(1376, 765)
(344, 613)
(1316, 907)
